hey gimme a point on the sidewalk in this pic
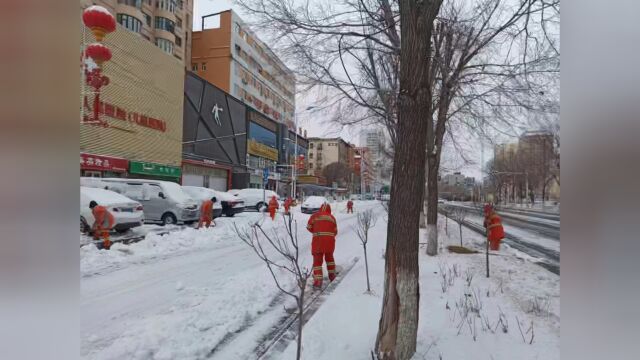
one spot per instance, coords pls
(461, 311)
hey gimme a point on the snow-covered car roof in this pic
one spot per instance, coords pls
(105, 197)
(314, 201)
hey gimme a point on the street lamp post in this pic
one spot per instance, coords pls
(294, 170)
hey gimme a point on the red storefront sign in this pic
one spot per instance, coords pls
(102, 163)
(119, 113)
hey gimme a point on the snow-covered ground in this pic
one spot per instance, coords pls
(345, 326)
(177, 296)
(195, 294)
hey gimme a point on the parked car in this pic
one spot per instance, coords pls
(385, 197)
(441, 201)
(227, 204)
(163, 201)
(127, 213)
(312, 204)
(254, 198)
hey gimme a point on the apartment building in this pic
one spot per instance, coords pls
(165, 23)
(323, 152)
(364, 169)
(230, 56)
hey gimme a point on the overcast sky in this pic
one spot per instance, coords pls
(316, 122)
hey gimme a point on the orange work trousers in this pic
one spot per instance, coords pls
(317, 267)
(104, 234)
(206, 221)
(272, 213)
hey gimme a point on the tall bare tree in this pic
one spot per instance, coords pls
(397, 332)
(491, 63)
(337, 172)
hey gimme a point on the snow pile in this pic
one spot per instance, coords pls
(155, 245)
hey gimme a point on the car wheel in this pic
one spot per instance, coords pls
(169, 219)
(259, 206)
(84, 227)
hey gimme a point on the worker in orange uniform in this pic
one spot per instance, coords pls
(493, 224)
(206, 213)
(349, 207)
(324, 229)
(273, 206)
(287, 205)
(103, 223)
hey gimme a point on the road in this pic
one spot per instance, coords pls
(158, 307)
(533, 233)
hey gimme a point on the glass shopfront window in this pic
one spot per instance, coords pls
(262, 135)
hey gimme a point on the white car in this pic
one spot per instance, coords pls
(312, 204)
(127, 213)
(227, 204)
(254, 198)
(385, 197)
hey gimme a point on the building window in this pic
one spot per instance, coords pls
(178, 22)
(147, 19)
(204, 66)
(178, 41)
(130, 22)
(134, 3)
(194, 67)
(165, 24)
(165, 45)
(168, 5)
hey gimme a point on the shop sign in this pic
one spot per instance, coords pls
(258, 149)
(146, 168)
(119, 113)
(102, 163)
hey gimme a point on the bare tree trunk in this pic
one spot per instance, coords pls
(460, 226)
(398, 327)
(300, 316)
(432, 206)
(487, 253)
(366, 266)
(423, 213)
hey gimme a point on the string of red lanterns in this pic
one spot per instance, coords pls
(101, 23)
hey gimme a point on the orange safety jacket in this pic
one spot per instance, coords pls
(494, 226)
(273, 204)
(104, 219)
(287, 204)
(206, 210)
(324, 228)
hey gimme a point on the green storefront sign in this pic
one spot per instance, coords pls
(152, 169)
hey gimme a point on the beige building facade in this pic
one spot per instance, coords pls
(323, 152)
(141, 108)
(165, 23)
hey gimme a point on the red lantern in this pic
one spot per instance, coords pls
(98, 52)
(99, 20)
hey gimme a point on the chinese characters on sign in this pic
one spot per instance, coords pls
(118, 113)
(97, 162)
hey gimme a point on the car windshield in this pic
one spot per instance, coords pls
(175, 192)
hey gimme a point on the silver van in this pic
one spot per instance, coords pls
(162, 201)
